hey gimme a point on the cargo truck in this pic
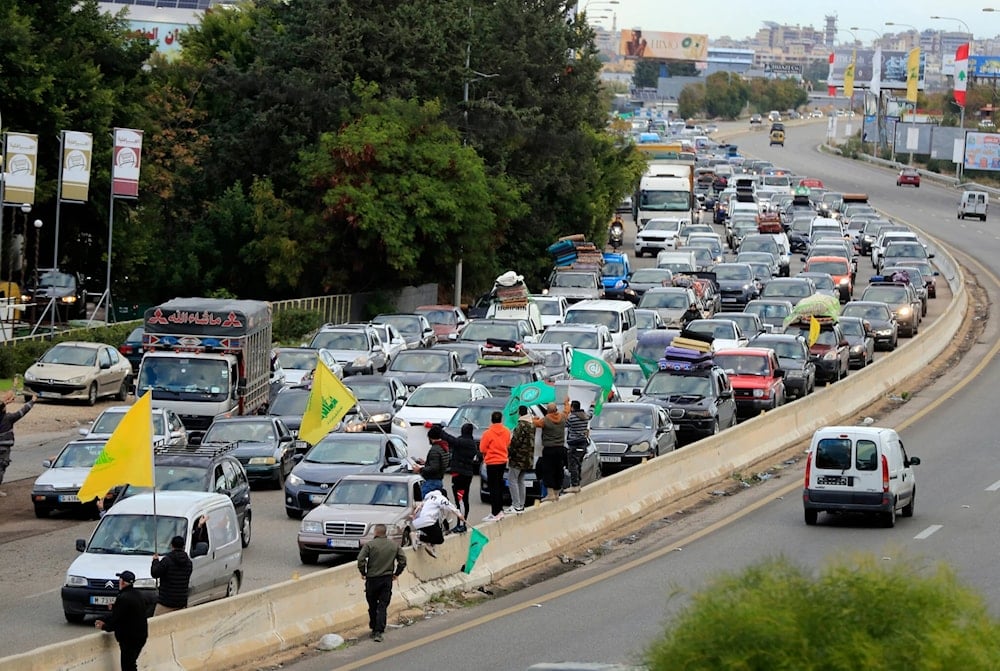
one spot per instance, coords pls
(666, 190)
(207, 357)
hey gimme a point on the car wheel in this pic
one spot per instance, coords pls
(123, 390)
(233, 588)
(92, 394)
(75, 618)
(889, 518)
(811, 516)
(245, 531)
(715, 427)
(42, 512)
(293, 513)
(907, 510)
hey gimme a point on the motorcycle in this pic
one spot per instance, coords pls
(616, 236)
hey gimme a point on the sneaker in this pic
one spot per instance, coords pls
(431, 551)
(416, 543)
(552, 496)
(378, 637)
(508, 510)
(461, 529)
(494, 518)
(574, 489)
(518, 511)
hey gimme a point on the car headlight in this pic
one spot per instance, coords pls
(76, 581)
(145, 583)
(77, 379)
(639, 447)
(263, 461)
(857, 349)
(311, 527)
(699, 414)
(294, 480)
(380, 418)
(791, 372)
(830, 356)
(398, 421)
(620, 284)
(884, 332)
(30, 377)
(68, 299)
(904, 311)
(44, 488)
(758, 393)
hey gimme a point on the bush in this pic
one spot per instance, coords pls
(17, 355)
(292, 324)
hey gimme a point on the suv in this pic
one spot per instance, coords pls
(700, 402)
(415, 328)
(615, 274)
(65, 288)
(902, 299)
(356, 347)
(263, 444)
(756, 377)
(737, 284)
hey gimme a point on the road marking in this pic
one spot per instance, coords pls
(994, 487)
(927, 532)
(45, 593)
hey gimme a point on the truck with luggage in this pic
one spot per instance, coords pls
(206, 357)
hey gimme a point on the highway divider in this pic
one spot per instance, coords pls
(232, 632)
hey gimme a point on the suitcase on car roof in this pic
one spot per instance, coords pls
(675, 353)
(561, 248)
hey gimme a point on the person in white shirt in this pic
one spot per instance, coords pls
(428, 517)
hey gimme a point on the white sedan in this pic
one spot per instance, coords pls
(725, 333)
(168, 429)
(436, 402)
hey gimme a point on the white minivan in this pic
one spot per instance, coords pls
(130, 533)
(858, 469)
(973, 204)
(618, 316)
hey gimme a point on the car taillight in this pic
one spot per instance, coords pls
(125, 349)
(809, 466)
(885, 474)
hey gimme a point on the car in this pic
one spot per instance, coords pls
(725, 333)
(628, 377)
(902, 253)
(552, 358)
(912, 275)
(676, 305)
(335, 456)
(56, 488)
(901, 299)
(765, 242)
(168, 429)
(297, 362)
(615, 274)
(756, 120)
(760, 257)
(346, 517)
(794, 358)
(928, 275)
(593, 339)
(749, 323)
(289, 404)
(687, 230)
(65, 290)
(756, 376)
(792, 289)
(263, 444)
(80, 370)
(574, 285)
(481, 330)
(700, 403)
(444, 319)
(830, 352)
(839, 268)
(393, 341)
(627, 434)
(357, 348)
(657, 235)
(131, 349)
(414, 327)
(552, 309)
(737, 284)
(501, 379)
(885, 329)
(646, 320)
(468, 353)
(772, 312)
(909, 176)
(824, 284)
(436, 401)
(379, 398)
(712, 243)
(645, 279)
(413, 367)
(862, 341)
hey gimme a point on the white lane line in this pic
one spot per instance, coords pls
(926, 533)
(994, 487)
(48, 591)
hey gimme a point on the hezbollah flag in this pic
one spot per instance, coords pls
(533, 393)
(646, 365)
(849, 76)
(912, 74)
(127, 457)
(329, 400)
(813, 330)
(595, 370)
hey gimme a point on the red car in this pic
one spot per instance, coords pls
(756, 377)
(908, 176)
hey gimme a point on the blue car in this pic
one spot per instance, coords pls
(615, 276)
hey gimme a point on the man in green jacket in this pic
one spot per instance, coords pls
(380, 562)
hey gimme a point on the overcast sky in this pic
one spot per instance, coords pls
(742, 18)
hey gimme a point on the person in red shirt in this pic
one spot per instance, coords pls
(493, 446)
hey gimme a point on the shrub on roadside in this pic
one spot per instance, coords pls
(291, 325)
(17, 355)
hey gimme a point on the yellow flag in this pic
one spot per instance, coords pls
(328, 402)
(849, 76)
(127, 458)
(813, 331)
(912, 74)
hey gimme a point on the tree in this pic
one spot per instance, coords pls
(646, 74)
(725, 95)
(691, 101)
(852, 614)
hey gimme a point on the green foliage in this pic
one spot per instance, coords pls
(776, 94)
(856, 613)
(725, 95)
(291, 325)
(691, 101)
(646, 74)
(17, 355)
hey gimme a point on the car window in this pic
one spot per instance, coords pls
(220, 479)
(833, 454)
(867, 455)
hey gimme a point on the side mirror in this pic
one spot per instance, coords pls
(930, 256)
(398, 403)
(105, 365)
(393, 461)
(778, 373)
(47, 463)
(81, 545)
(199, 550)
(298, 457)
(285, 439)
(913, 461)
(82, 432)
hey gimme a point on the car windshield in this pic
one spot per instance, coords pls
(405, 324)
(549, 308)
(746, 322)
(665, 201)
(743, 364)
(480, 332)
(479, 416)
(829, 267)
(78, 455)
(887, 295)
(441, 317)
(852, 328)
(368, 493)
(135, 335)
(607, 318)
(178, 478)
(109, 420)
(230, 432)
(413, 361)
(785, 349)
(291, 402)
(651, 276)
(793, 289)
(494, 377)
(768, 310)
(733, 273)
(827, 337)
(56, 279)
(342, 340)
(713, 329)
(824, 282)
(623, 418)
(646, 320)
(70, 355)
(899, 249)
(613, 269)
(666, 384)
(760, 257)
(438, 397)
(304, 359)
(759, 245)
(566, 280)
(136, 535)
(369, 388)
(876, 312)
(185, 378)
(661, 225)
(340, 448)
(629, 378)
(578, 339)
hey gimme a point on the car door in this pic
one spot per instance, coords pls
(726, 402)
(665, 439)
(105, 373)
(202, 583)
(237, 487)
(284, 446)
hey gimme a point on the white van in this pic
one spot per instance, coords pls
(858, 469)
(973, 204)
(529, 312)
(677, 261)
(125, 540)
(618, 316)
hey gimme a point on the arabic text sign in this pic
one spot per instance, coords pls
(125, 161)
(77, 149)
(982, 151)
(20, 168)
(667, 46)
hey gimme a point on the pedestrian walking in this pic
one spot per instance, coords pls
(577, 440)
(174, 574)
(520, 458)
(128, 621)
(465, 459)
(553, 426)
(437, 462)
(380, 562)
(7, 421)
(428, 518)
(493, 446)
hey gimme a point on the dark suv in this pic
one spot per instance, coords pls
(66, 288)
(699, 402)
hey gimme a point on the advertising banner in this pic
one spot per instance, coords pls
(20, 168)
(77, 150)
(982, 151)
(984, 67)
(664, 46)
(893, 69)
(125, 163)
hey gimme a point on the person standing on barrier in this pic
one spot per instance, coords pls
(553, 426)
(437, 462)
(577, 439)
(520, 458)
(174, 574)
(493, 444)
(7, 421)
(380, 562)
(464, 464)
(128, 621)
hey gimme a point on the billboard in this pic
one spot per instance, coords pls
(984, 67)
(893, 68)
(783, 68)
(663, 46)
(982, 151)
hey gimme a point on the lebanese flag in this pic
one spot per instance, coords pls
(961, 73)
(832, 90)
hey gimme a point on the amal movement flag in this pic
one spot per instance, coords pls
(961, 73)
(329, 400)
(127, 458)
(912, 74)
(594, 370)
(533, 393)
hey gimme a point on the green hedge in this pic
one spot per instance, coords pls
(17, 355)
(291, 325)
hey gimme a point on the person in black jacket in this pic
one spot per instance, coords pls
(174, 574)
(7, 420)
(464, 463)
(128, 621)
(436, 464)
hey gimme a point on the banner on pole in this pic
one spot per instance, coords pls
(77, 150)
(125, 163)
(20, 168)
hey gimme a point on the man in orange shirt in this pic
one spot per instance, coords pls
(493, 446)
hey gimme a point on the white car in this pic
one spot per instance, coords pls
(297, 363)
(552, 308)
(436, 402)
(725, 333)
(56, 488)
(168, 429)
(658, 234)
(393, 341)
(593, 339)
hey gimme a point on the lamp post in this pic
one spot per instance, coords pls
(38, 234)
(25, 211)
(905, 25)
(599, 2)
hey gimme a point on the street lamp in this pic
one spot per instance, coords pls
(38, 234)
(964, 24)
(19, 249)
(599, 2)
(870, 30)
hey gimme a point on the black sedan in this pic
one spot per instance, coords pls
(413, 367)
(263, 444)
(628, 433)
(289, 405)
(794, 359)
(879, 316)
(378, 400)
(131, 349)
(862, 341)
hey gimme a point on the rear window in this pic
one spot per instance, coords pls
(834, 454)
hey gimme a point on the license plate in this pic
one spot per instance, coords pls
(610, 459)
(69, 498)
(316, 498)
(49, 394)
(840, 480)
(342, 543)
(102, 600)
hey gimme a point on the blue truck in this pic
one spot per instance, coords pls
(615, 275)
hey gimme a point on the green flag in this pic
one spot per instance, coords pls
(592, 369)
(648, 366)
(533, 393)
(477, 541)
